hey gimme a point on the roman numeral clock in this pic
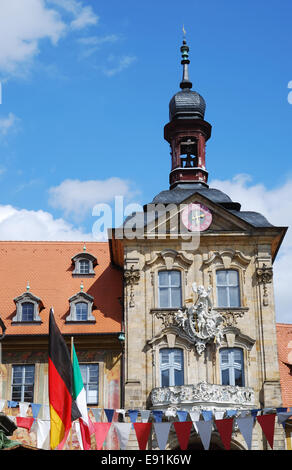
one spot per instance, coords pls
(196, 217)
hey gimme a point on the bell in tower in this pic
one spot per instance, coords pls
(187, 132)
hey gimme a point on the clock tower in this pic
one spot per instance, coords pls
(187, 132)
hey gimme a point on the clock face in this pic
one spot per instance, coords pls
(196, 217)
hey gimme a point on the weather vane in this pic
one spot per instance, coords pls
(184, 31)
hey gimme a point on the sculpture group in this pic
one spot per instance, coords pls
(199, 321)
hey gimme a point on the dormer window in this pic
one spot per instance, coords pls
(81, 311)
(28, 307)
(84, 263)
(81, 307)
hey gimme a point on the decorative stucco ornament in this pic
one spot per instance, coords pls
(199, 321)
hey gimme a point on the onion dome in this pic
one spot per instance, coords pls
(186, 104)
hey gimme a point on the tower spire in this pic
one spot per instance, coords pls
(185, 83)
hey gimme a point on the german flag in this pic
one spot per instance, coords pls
(63, 409)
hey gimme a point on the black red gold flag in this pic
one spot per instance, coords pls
(63, 409)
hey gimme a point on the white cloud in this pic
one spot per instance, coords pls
(24, 24)
(83, 16)
(117, 64)
(91, 44)
(8, 124)
(276, 205)
(79, 197)
(23, 224)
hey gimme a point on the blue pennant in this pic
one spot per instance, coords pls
(109, 414)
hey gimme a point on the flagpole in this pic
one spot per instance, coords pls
(72, 343)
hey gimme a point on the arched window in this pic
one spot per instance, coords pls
(171, 367)
(169, 287)
(81, 311)
(228, 292)
(27, 311)
(231, 366)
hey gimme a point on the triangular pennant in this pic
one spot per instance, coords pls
(23, 407)
(195, 416)
(144, 415)
(182, 415)
(231, 413)
(42, 433)
(267, 423)
(254, 413)
(96, 413)
(283, 416)
(219, 414)
(142, 431)
(2, 404)
(162, 431)
(12, 404)
(224, 427)
(245, 425)
(205, 431)
(35, 408)
(123, 432)
(158, 415)
(183, 431)
(121, 414)
(101, 431)
(24, 422)
(133, 414)
(207, 415)
(109, 414)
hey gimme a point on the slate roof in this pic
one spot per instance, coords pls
(182, 192)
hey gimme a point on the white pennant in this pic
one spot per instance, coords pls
(162, 432)
(195, 416)
(23, 406)
(46, 412)
(42, 430)
(2, 404)
(219, 414)
(145, 415)
(205, 431)
(123, 431)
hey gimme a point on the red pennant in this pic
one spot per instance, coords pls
(183, 431)
(24, 422)
(224, 427)
(267, 423)
(142, 433)
(85, 434)
(101, 430)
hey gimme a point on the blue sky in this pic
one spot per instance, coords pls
(85, 93)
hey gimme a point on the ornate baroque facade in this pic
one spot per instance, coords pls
(199, 313)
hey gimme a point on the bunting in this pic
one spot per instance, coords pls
(143, 421)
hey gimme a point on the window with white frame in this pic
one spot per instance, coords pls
(169, 289)
(81, 311)
(22, 386)
(232, 366)
(228, 291)
(90, 376)
(27, 311)
(171, 362)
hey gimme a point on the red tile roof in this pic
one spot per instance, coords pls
(284, 338)
(47, 266)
